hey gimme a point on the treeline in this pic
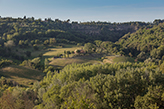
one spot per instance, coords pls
(31, 28)
(23, 29)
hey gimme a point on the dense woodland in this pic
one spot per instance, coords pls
(136, 83)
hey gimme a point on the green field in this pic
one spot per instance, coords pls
(59, 50)
(123, 59)
(25, 76)
(22, 75)
(115, 59)
(61, 62)
(93, 58)
(49, 51)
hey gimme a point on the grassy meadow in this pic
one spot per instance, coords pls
(23, 75)
(26, 76)
(61, 62)
(115, 59)
(59, 50)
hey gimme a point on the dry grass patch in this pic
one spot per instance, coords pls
(61, 62)
(117, 58)
(22, 75)
(56, 51)
(109, 59)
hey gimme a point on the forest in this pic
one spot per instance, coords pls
(54, 64)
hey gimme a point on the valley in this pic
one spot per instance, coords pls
(52, 64)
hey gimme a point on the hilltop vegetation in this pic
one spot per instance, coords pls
(23, 33)
(54, 64)
(29, 28)
(148, 41)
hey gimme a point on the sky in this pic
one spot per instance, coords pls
(85, 10)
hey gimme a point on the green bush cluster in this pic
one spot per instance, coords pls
(122, 85)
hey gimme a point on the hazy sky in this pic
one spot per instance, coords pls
(85, 10)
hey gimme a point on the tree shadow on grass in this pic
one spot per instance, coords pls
(22, 72)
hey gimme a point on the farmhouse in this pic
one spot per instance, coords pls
(79, 51)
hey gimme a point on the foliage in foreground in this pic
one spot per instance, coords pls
(87, 86)
(122, 85)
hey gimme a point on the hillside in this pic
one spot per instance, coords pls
(22, 75)
(21, 38)
(144, 40)
(90, 65)
(30, 28)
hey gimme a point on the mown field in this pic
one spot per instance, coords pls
(59, 50)
(48, 51)
(23, 75)
(61, 62)
(117, 58)
(26, 76)
(75, 58)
